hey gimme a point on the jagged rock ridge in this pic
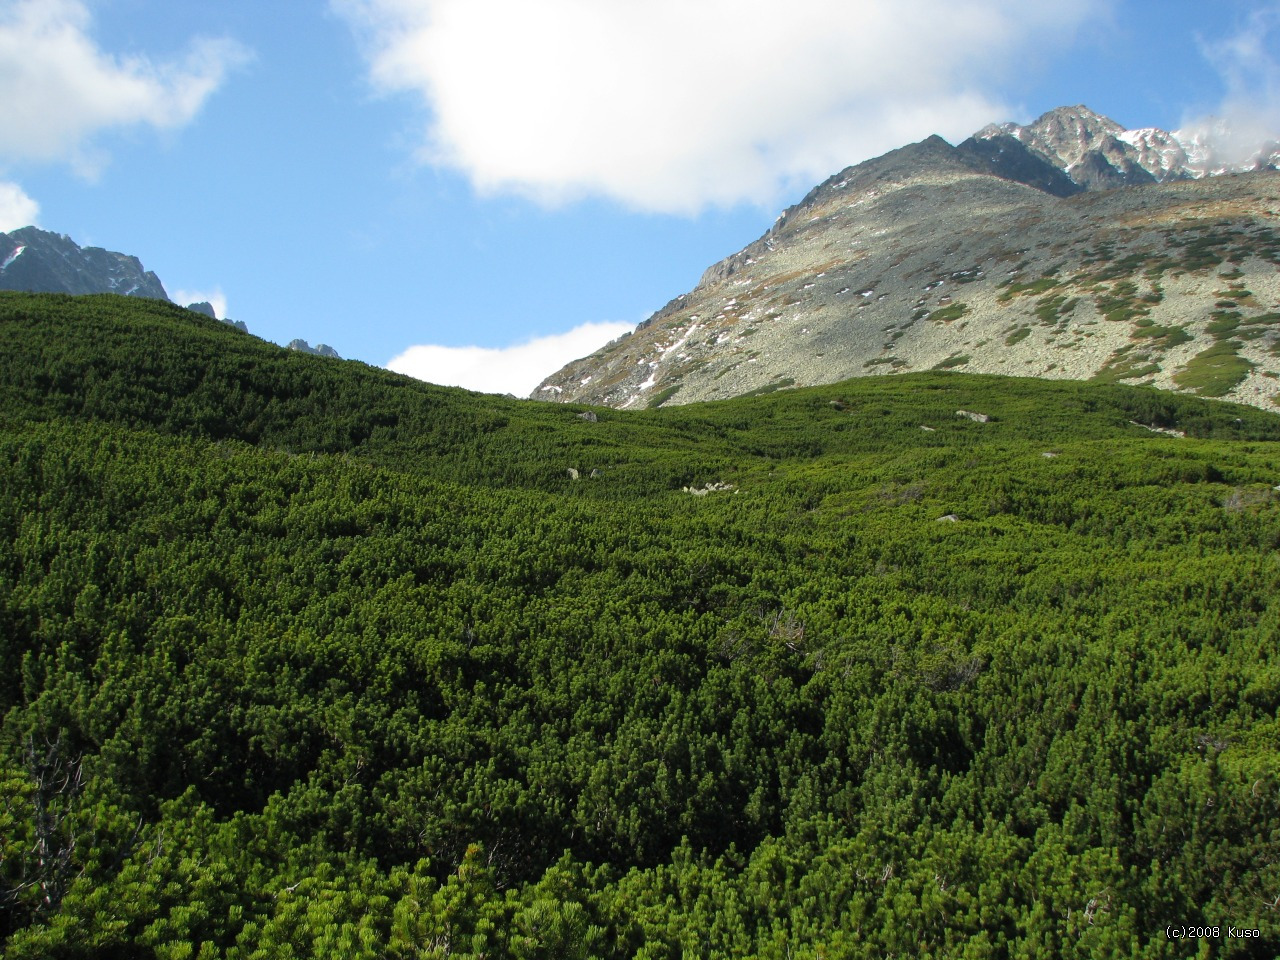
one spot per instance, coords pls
(319, 350)
(38, 261)
(1095, 152)
(1007, 254)
(204, 307)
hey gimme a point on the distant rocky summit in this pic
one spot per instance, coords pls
(206, 308)
(319, 350)
(38, 261)
(1016, 252)
(1094, 152)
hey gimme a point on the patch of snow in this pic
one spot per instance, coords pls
(1159, 153)
(12, 257)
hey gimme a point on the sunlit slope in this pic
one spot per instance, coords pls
(917, 261)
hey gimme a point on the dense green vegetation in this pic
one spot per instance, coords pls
(1214, 371)
(1126, 363)
(953, 311)
(1017, 336)
(300, 658)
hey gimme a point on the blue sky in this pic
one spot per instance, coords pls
(479, 179)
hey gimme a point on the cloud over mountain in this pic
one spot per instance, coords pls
(1249, 113)
(16, 208)
(215, 298)
(676, 105)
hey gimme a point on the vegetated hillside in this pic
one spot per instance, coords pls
(927, 259)
(276, 683)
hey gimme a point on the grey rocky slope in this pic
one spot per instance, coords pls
(1011, 253)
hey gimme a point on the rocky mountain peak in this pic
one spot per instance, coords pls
(205, 309)
(319, 350)
(930, 159)
(1158, 151)
(1090, 149)
(37, 260)
(1065, 134)
(1095, 152)
(1010, 253)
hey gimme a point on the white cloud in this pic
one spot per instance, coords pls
(215, 298)
(674, 105)
(517, 369)
(1249, 114)
(16, 208)
(60, 89)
